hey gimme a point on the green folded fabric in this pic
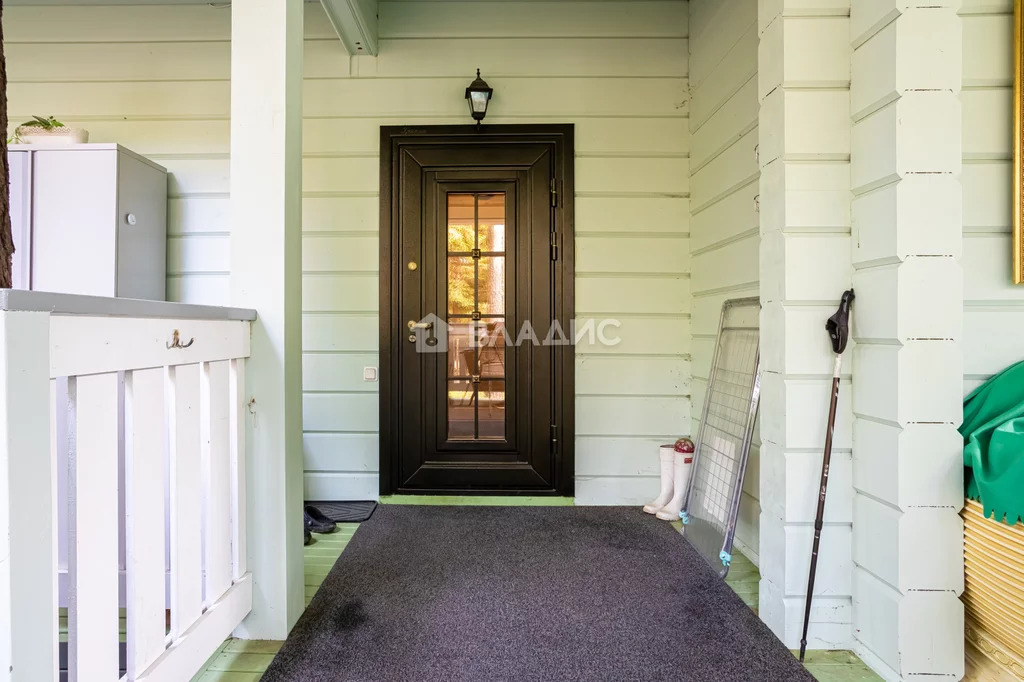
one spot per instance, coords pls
(993, 431)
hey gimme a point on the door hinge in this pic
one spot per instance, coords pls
(554, 246)
(554, 438)
(554, 192)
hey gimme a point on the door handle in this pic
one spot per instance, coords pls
(431, 340)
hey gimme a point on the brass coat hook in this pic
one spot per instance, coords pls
(176, 341)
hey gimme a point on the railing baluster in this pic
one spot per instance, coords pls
(216, 483)
(185, 511)
(93, 526)
(236, 415)
(28, 524)
(145, 462)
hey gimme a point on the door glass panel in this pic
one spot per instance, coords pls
(461, 285)
(491, 222)
(461, 223)
(461, 410)
(491, 287)
(492, 349)
(461, 354)
(476, 290)
(491, 396)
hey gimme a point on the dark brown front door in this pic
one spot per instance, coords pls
(476, 291)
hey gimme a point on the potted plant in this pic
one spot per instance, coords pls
(49, 131)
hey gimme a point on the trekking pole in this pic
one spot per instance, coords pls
(838, 327)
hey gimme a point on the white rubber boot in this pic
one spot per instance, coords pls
(667, 453)
(681, 476)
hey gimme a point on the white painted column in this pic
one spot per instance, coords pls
(266, 274)
(907, 236)
(28, 520)
(804, 155)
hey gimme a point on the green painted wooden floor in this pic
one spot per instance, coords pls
(240, 660)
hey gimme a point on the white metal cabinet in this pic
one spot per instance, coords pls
(89, 219)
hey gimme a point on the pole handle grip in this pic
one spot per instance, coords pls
(838, 326)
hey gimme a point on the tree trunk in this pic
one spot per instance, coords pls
(6, 239)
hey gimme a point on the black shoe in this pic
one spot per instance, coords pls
(307, 537)
(316, 522)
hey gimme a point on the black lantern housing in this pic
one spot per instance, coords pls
(478, 94)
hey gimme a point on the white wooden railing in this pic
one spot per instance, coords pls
(121, 452)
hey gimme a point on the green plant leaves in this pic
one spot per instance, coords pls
(45, 123)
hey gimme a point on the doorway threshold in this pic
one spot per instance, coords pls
(479, 500)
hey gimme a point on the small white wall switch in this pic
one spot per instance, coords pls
(369, 373)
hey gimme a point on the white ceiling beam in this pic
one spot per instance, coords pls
(355, 22)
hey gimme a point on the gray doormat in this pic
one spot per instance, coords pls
(345, 512)
(526, 593)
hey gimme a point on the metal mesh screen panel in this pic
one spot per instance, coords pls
(712, 500)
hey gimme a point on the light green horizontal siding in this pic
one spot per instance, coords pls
(156, 78)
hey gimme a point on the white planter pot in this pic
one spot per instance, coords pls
(53, 137)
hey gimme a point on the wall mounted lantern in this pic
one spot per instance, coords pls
(478, 94)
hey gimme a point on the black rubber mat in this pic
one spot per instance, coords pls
(346, 512)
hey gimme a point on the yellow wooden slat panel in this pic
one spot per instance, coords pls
(986, 570)
(994, 564)
(978, 537)
(987, 609)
